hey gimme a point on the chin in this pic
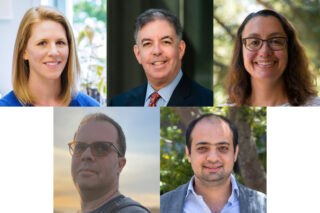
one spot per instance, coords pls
(53, 76)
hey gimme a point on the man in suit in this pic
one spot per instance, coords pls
(212, 150)
(98, 157)
(159, 49)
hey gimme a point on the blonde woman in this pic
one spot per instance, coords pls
(45, 62)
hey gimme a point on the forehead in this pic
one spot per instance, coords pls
(47, 29)
(211, 130)
(263, 26)
(157, 28)
(97, 131)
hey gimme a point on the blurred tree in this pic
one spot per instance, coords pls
(90, 22)
(229, 14)
(88, 8)
(175, 169)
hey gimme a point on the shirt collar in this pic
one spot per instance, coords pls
(166, 91)
(234, 192)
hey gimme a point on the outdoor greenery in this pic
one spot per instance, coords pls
(90, 25)
(228, 15)
(175, 169)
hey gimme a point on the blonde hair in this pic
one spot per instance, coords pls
(20, 67)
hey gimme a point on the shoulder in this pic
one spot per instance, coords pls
(10, 99)
(313, 101)
(133, 97)
(251, 199)
(197, 88)
(190, 93)
(180, 191)
(173, 199)
(128, 205)
(81, 99)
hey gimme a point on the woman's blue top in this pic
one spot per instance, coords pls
(79, 99)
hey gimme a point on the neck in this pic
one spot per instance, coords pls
(91, 200)
(268, 94)
(46, 92)
(157, 85)
(215, 195)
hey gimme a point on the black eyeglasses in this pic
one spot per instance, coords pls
(275, 43)
(98, 148)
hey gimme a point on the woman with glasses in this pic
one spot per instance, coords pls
(45, 62)
(269, 66)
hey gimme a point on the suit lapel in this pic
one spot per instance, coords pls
(138, 96)
(181, 93)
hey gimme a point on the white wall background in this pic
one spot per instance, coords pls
(8, 29)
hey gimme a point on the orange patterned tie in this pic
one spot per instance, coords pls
(154, 98)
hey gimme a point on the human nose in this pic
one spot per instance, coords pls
(213, 155)
(87, 155)
(265, 50)
(53, 49)
(156, 50)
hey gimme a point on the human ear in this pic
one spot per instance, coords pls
(25, 55)
(188, 154)
(121, 163)
(137, 53)
(236, 153)
(182, 48)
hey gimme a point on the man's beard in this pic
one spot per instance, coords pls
(212, 177)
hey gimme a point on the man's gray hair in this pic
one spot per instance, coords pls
(156, 14)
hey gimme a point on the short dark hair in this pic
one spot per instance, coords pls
(194, 122)
(298, 79)
(102, 117)
(155, 14)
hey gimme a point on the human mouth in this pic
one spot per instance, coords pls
(87, 171)
(265, 64)
(158, 62)
(213, 168)
(52, 64)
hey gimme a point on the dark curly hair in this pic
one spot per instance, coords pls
(298, 79)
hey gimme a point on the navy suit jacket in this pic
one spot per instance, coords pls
(187, 93)
(250, 201)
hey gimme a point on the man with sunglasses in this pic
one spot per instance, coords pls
(98, 157)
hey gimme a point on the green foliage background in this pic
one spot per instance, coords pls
(175, 169)
(228, 15)
(94, 63)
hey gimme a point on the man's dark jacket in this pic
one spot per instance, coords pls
(187, 93)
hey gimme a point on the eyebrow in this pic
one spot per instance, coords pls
(145, 39)
(164, 37)
(216, 144)
(258, 35)
(46, 39)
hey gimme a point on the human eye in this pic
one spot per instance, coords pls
(61, 42)
(277, 41)
(202, 149)
(253, 42)
(41, 43)
(146, 44)
(167, 41)
(80, 147)
(223, 149)
(101, 148)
